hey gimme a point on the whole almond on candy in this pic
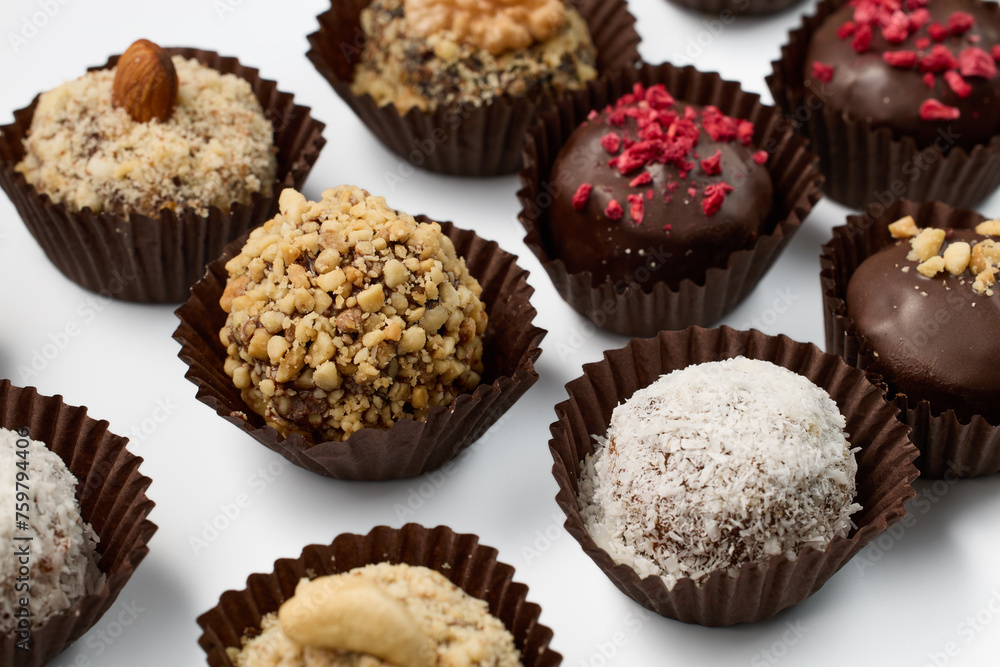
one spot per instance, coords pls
(145, 82)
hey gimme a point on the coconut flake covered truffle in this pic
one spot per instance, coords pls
(62, 559)
(717, 465)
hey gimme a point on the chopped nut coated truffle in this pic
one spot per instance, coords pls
(346, 314)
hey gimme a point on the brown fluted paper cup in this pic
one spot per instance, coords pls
(884, 477)
(629, 307)
(864, 165)
(462, 140)
(949, 446)
(112, 496)
(459, 557)
(156, 260)
(409, 447)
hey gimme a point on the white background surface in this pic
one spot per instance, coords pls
(918, 591)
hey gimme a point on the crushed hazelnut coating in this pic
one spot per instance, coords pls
(982, 259)
(400, 66)
(461, 627)
(346, 314)
(216, 149)
(494, 25)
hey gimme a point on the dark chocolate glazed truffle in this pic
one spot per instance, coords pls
(922, 68)
(659, 186)
(935, 337)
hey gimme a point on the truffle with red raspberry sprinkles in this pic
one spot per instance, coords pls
(650, 186)
(922, 68)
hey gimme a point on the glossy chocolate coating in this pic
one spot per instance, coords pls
(588, 240)
(866, 87)
(937, 347)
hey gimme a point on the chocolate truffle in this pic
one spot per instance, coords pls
(922, 68)
(346, 314)
(63, 547)
(87, 148)
(718, 465)
(652, 184)
(428, 53)
(928, 310)
(380, 615)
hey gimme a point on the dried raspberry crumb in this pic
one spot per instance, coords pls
(995, 51)
(938, 60)
(822, 71)
(715, 194)
(918, 19)
(637, 207)
(692, 192)
(760, 157)
(862, 38)
(617, 118)
(711, 165)
(667, 227)
(667, 199)
(718, 126)
(649, 194)
(960, 23)
(592, 115)
(846, 29)
(744, 132)
(905, 59)
(930, 80)
(897, 29)
(973, 61)
(974, 38)
(581, 196)
(915, 4)
(672, 185)
(642, 179)
(957, 83)
(659, 98)
(934, 110)
(937, 32)
(611, 142)
(924, 43)
(614, 210)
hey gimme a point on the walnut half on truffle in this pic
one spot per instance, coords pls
(346, 314)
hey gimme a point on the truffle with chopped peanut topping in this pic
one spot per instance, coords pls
(216, 148)
(345, 314)
(380, 615)
(428, 53)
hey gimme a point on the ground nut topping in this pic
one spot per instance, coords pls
(216, 149)
(345, 314)
(459, 627)
(981, 257)
(450, 54)
(494, 25)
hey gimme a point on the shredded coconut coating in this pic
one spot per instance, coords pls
(63, 557)
(215, 150)
(717, 465)
(400, 67)
(465, 632)
(346, 314)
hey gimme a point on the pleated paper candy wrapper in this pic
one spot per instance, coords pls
(409, 447)
(885, 469)
(156, 260)
(459, 557)
(112, 496)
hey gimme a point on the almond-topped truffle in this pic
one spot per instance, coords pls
(922, 68)
(927, 306)
(653, 184)
(718, 465)
(150, 134)
(346, 314)
(380, 615)
(428, 53)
